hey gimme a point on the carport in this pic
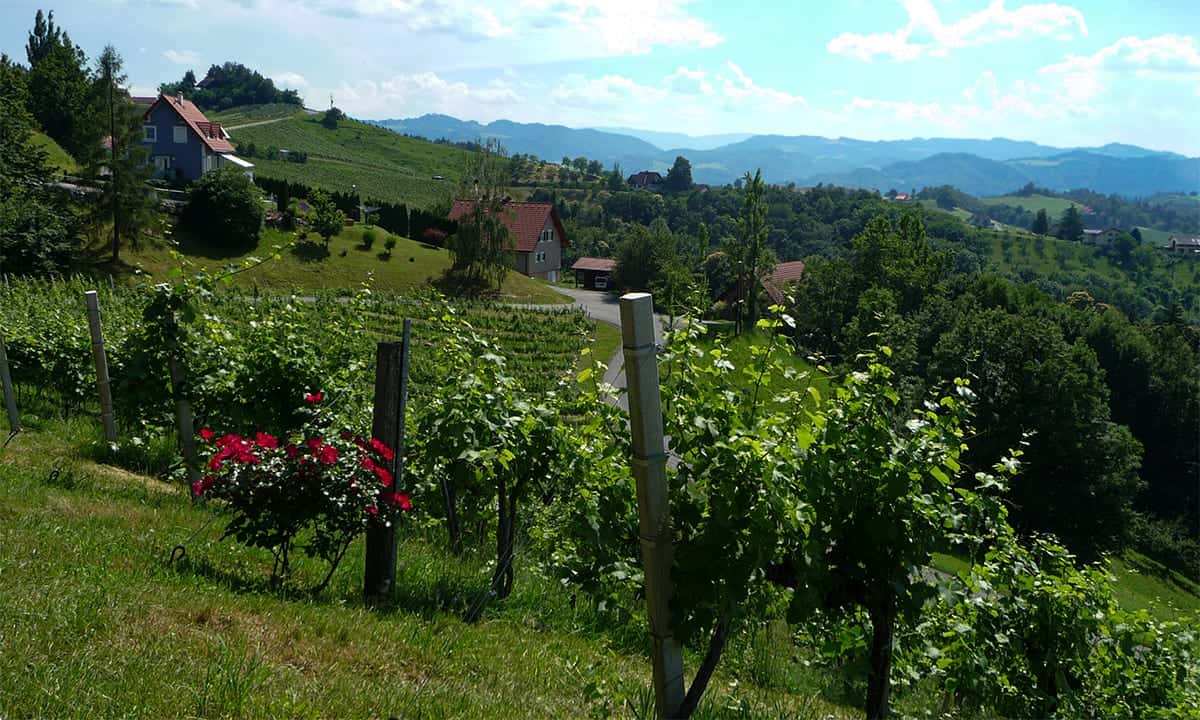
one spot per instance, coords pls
(593, 273)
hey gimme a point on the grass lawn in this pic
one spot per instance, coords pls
(1141, 583)
(347, 266)
(96, 622)
(1052, 205)
(59, 159)
(1157, 238)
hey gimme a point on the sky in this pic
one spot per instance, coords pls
(1066, 74)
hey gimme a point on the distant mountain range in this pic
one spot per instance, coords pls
(978, 167)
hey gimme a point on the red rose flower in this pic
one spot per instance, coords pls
(314, 397)
(347, 436)
(207, 483)
(229, 439)
(385, 476)
(197, 488)
(368, 463)
(328, 455)
(372, 510)
(292, 451)
(402, 501)
(266, 441)
(384, 451)
(215, 464)
(247, 457)
(315, 443)
(206, 434)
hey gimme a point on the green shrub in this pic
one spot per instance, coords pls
(368, 238)
(225, 209)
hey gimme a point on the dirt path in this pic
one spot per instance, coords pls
(260, 122)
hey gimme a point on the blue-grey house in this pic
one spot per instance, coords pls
(184, 144)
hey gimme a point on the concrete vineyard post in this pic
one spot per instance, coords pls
(101, 361)
(184, 423)
(391, 390)
(654, 510)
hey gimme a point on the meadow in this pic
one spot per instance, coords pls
(347, 264)
(1053, 206)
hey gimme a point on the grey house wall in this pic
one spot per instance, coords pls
(549, 268)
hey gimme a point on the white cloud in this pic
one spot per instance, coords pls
(740, 86)
(456, 17)
(1158, 60)
(426, 92)
(927, 34)
(182, 57)
(289, 79)
(687, 81)
(624, 26)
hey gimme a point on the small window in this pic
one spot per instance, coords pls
(150, 133)
(181, 134)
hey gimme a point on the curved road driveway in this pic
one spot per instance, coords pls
(604, 307)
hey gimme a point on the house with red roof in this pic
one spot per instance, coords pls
(183, 143)
(537, 233)
(645, 180)
(776, 284)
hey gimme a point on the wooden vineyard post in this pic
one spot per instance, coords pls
(391, 399)
(10, 397)
(184, 423)
(102, 384)
(654, 510)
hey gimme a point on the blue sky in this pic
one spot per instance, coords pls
(1068, 74)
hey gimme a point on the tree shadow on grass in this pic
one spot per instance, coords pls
(1167, 573)
(307, 251)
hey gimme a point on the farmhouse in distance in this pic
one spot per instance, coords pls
(537, 232)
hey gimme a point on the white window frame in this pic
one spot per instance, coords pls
(163, 163)
(180, 134)
(150, 133)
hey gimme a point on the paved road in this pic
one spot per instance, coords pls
(604, 307)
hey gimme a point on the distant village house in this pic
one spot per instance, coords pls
(537, 232)
(1106, 236)
(645, 180)
(183, 143)
(1184, 244)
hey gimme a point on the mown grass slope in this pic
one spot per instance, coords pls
(96, 621)
(58, 158)
(384, 165)
(348, 264)
(1052, 205)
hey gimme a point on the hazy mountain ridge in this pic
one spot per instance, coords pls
(976, 166)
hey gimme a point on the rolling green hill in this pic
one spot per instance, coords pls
(1053, 206)
(384, 165)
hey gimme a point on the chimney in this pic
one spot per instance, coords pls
(179, 99)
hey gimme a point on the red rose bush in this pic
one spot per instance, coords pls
(317, 489)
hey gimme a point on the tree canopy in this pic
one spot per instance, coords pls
(228, 85)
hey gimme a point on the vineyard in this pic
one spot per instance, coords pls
(805, 514)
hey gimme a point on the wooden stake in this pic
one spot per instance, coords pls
(10, 397)
(106, 406)
(391, 400)
(654, 510)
